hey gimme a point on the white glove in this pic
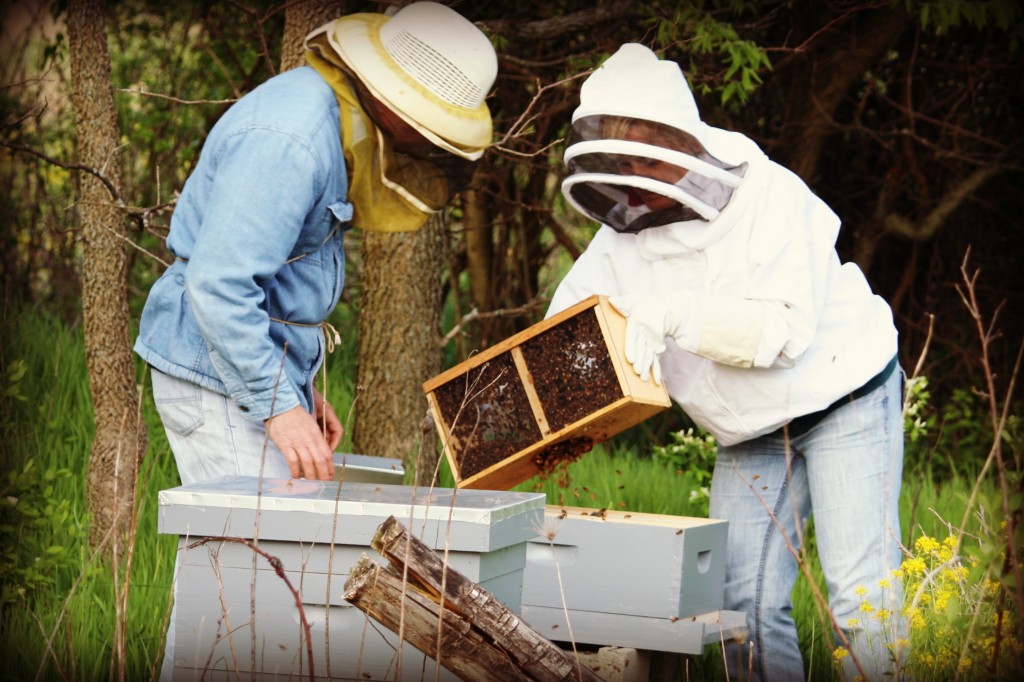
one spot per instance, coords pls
(649, 319)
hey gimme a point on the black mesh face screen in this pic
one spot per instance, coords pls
(632, 174)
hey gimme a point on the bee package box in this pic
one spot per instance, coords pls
(227, 597)
(583, 565)
(543, 396)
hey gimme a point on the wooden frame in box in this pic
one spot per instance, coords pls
(543, 395)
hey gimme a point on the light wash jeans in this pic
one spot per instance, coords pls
(847, 471)
(210, 438)
(209, 435)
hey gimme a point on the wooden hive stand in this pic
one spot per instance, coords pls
(540, 397)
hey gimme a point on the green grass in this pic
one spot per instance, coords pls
(68, 603)
(57, 615)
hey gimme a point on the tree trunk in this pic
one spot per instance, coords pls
(299, 19)
(120, 438)
(815, 98)
(399, 322)
(477, 235)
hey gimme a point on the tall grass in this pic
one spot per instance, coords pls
(58, 622)
(57, 614)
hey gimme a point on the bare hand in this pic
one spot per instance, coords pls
(299, 437)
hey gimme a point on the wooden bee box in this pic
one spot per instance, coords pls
(583, 569)
(543, 396)
(228, 598)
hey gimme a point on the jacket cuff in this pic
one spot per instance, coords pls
(258, 407)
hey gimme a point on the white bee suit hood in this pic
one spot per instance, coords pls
(641, 157)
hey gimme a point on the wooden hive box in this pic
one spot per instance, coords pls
(544, 395)
(629, 579)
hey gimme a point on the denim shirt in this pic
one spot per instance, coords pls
(257, 236)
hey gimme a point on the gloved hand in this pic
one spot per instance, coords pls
(649, 319)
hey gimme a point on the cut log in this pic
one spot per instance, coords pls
(414, 616)
(480, 637)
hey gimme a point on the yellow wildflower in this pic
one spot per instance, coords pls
(943, 597)
(955, 574)
(925, 544)
(861, 590)
(853, 622)
(883, 583)
(866, 607)
(840, 653)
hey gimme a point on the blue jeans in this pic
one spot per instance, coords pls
(847, 471)
(209, 435)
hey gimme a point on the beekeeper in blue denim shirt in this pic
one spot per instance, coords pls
(377, 132)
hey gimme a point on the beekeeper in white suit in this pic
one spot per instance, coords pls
(724, 264)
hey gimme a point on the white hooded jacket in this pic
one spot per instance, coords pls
(776, 327)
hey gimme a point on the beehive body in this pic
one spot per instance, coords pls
(318, 531)
(647, 581)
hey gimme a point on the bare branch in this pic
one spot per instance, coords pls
(115, 195)
(260, 33)
(926, 228)
(520, 124)
(968, 294)
(140, 216)
(278, 567)
(475, 314)
(141, 249)
(176, 99)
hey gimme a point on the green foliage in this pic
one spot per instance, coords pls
(955, 438)
(30, 558)
(14, 373)
(941, 15)
(618, 479)
(57, 609)
(174, 68)
(695, 29)
(917, 424)
(692, 455)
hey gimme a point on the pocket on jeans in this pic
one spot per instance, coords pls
(181, 414)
